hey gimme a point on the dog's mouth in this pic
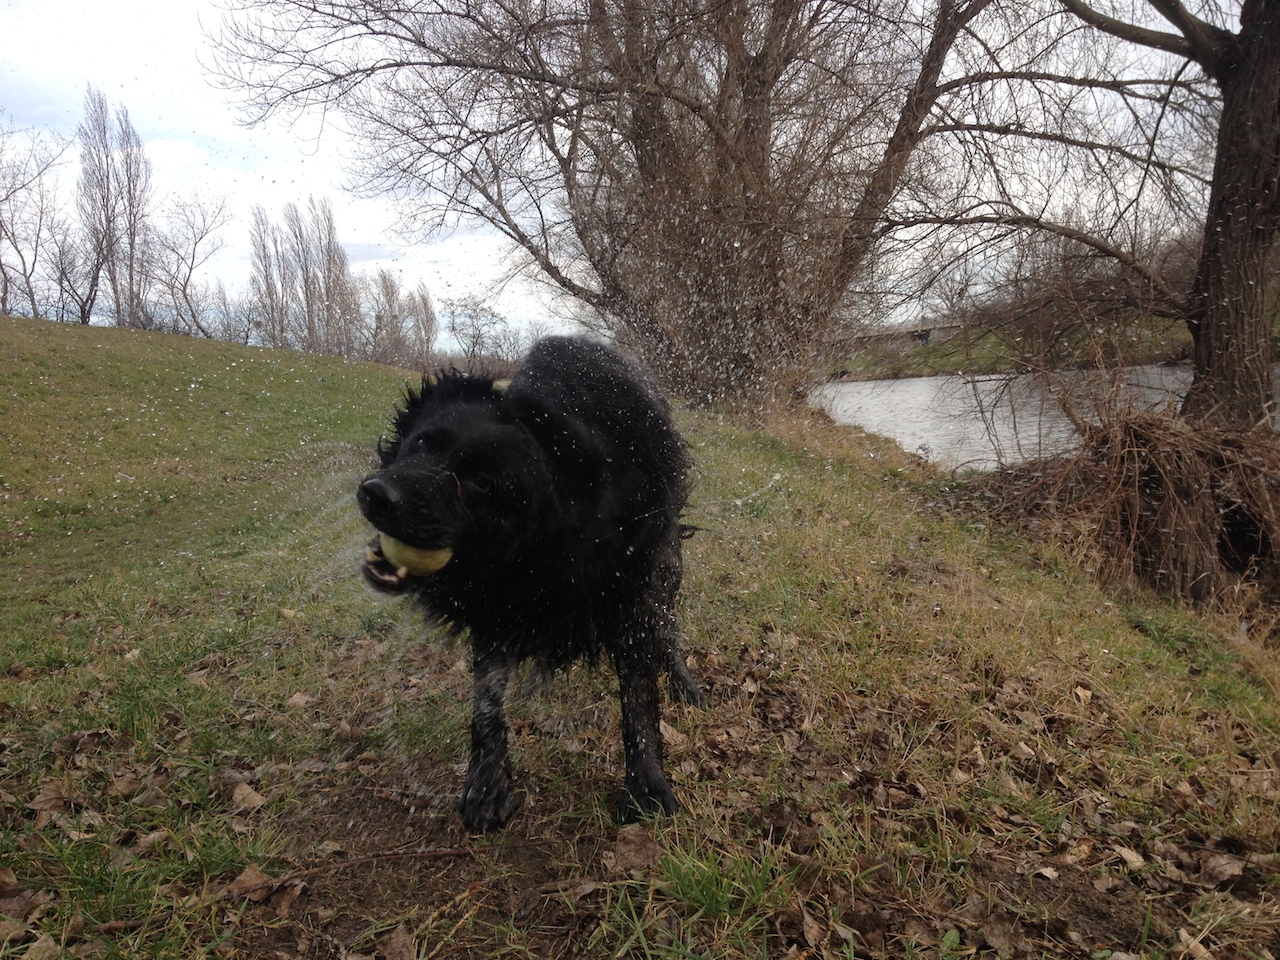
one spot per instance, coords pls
(390, 563)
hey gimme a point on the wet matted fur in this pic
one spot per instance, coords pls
(543, 518)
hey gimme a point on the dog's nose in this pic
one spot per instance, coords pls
(377, 494)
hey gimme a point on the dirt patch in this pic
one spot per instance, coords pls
(378, 847)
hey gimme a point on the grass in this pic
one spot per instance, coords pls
(927, 737)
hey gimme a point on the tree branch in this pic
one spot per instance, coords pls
(1196, 39)
(1024, 221)
(1005, 131)
(1155, 39)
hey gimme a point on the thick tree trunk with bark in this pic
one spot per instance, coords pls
(1229, 325)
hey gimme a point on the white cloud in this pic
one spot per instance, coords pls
(150, 57)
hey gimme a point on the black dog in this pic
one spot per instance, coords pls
(543, 517)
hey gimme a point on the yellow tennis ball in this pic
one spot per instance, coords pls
(418, 562)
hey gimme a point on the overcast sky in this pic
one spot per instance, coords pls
(147, 55)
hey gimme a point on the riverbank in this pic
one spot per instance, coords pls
(888, 353)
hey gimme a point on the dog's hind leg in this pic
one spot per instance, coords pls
(646, 790)
(681, 687)
(487, 801)
(664, 587)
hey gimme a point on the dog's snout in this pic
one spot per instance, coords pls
(378, 495)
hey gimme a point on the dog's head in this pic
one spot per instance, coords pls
(461, 485)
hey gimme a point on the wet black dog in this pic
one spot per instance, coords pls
(544, 518)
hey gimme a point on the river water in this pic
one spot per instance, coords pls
(981, 422)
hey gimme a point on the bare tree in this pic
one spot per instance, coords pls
(82, 256)
(341, 319)
(271, 281)
(1116, 127)
(303, 259)
(304, 294)
(386, 328)
(129, 267)
(706, 178)
(480, 332)
(232, 316)
(1226, 311)
(184, 243)
(113, 230)
(28, 219)
(399, 324)
(421, 314)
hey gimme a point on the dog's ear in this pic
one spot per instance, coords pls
(406, 414)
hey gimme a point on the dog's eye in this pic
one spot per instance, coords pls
(433, 441)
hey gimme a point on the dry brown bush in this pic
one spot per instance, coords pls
(1192, 509)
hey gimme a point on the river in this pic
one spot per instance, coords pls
(981, 422)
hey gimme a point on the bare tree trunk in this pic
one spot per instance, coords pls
(1230, 327)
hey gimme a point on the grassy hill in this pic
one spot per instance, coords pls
(926, 737)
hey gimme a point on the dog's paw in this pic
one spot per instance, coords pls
(654, 801)
(682, 688)
(487, 801)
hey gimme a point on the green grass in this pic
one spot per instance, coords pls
(926, 737)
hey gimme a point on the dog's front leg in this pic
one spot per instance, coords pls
(487, 801)
(647, 791)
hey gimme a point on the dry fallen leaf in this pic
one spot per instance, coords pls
(28, 905)
(672, 737)
(635, 850)
(252, 884)
(1221, 867)
(9, 886)
(152, 796)
(1132, 858)
(52, 797)
(1192, 947)
(815, 934)
(244, 798)
(124, 784)
(398, 945)
(150, 841)
(46, 948)
(289, 894)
